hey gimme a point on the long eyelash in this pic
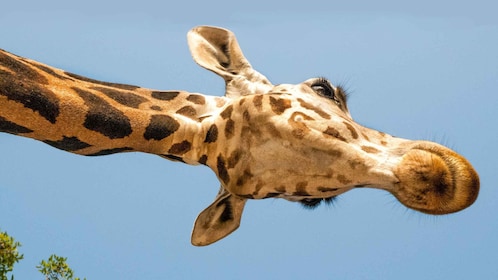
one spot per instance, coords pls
(342, 92)
(323, 80)
(344, 88)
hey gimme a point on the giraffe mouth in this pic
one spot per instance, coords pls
(435, 180)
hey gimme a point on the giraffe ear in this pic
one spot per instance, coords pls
(220, 219)
(217, 49)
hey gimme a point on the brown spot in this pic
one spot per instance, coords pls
(180, 148)
(343, 180)
(281, 189)
(301, 189)
(212, 134)
(242, 101)
(165, 95)
(174, 158)
(319, 111)
(258, 102)
(202, 118)
(20, 69)
(279, 105)
(301, 193)
(334, 133)
(246, 116)
(222, 170)
(188, 111)
(229, 129)
(245, 133)
(305, 117)
(227, 113)
(301, 185)
(126, 98)
(370, 150)
(334, 153)
(13, 128)
(271, 194)
(68, 144)
(365, 136)
(325, 189)
(48, 70)
(299, 133)
(354, 163)
(258, 187)
(21, 83)
(272, 130)
(197, 99)
(234, 158)
(160, 127)
(85, 79)
(104, 118)
(246, 176)
(155, 108)
(300, 129)
(383, 143)
(203, 160)
(110, 151)
(351, 129)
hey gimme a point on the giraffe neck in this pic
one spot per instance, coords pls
(88, 117)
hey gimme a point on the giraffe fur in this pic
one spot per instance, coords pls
(292, 141)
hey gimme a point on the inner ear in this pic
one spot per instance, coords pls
(216, 49)
(220, 219)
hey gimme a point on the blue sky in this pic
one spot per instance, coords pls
(423, 70)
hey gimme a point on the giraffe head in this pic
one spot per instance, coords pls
(299, 142)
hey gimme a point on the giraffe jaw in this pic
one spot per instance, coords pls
(435, 180)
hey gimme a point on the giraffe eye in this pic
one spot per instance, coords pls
(322, 87)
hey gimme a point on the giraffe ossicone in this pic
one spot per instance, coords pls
(296, 142)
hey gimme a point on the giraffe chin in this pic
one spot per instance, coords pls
(435, 180)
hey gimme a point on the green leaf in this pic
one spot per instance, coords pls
(8, 255)
(56, 268)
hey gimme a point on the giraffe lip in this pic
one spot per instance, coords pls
(435, 180)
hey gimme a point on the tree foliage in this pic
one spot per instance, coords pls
(56, 268)
(8, 255)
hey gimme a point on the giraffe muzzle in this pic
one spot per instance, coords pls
(435, 180)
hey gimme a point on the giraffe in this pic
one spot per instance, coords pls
(296, 142)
